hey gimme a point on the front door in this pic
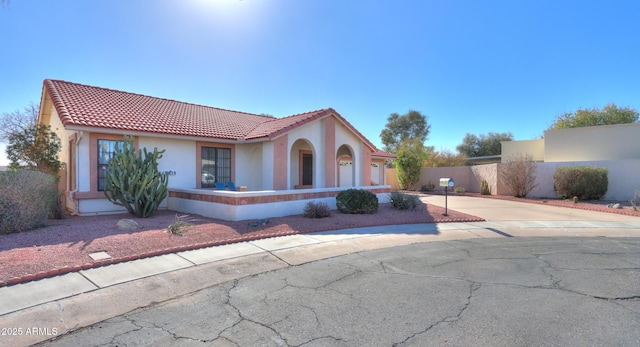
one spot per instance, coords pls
(307, 169)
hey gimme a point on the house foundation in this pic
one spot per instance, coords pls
(237, 206)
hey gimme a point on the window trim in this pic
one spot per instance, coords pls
(93, 192)
(199, 145)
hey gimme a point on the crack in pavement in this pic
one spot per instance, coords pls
(452, 318)
(416, 295)
(244, 318)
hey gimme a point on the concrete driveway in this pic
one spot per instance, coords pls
(453, 284)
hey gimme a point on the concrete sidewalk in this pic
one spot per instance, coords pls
(55, 306)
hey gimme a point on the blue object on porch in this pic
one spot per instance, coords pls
(220, 186)
(231, 186)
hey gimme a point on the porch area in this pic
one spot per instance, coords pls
(247, 205)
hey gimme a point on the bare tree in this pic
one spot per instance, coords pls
(16, 121)
(519, 174)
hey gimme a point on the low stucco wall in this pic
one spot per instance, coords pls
(467, 177)
(237, 206)
(91, 207)
(623, 177)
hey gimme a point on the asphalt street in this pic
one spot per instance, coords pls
(531, 275)
(559, 291)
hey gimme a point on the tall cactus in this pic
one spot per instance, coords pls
(134, 182)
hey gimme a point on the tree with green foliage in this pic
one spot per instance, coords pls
(35, 148)
(610, 114)
(410, 159)
(133, 181)
(483, 145)
(443, 158)
(412, 125)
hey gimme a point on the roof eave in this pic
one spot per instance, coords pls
(123, 132)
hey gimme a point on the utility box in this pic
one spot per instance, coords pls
(446, 182)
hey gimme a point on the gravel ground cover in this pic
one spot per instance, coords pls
(65, 245)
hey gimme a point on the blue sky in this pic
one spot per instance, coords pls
(469, 66)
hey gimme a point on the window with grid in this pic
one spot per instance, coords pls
(106, 150)
(216, 166)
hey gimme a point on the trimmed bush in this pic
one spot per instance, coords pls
(26, 198)
(357, 201)
(316, 210)
(428, 187)
(583, 182)
(402, 201)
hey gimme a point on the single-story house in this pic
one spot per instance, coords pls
(277, 164)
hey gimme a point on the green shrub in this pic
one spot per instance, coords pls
(428, 187)
(459, 190)
(26, 198)
(402, 201)
(316, 210)
(583, 182)
(485, 188)
(357, 201)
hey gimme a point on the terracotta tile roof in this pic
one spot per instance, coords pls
(378, 153)
(83, 105)
(274, 127)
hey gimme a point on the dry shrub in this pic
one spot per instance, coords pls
(316, 210)
(26, 199)
(519, 174)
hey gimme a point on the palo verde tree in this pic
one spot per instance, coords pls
(610, 114)
(410, 158)
(483, 145)
(410, 126)
(133, 181)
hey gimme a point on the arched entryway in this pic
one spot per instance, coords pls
(346, 168)
(302, 158)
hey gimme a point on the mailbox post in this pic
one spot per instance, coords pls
(446, 183)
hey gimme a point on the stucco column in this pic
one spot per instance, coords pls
(366, 170)
(329, 152)
(280, 155)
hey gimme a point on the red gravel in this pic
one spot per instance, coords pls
(64, 245)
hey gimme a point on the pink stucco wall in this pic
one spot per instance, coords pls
(280, 163)
(366, 170)
(330, 152)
